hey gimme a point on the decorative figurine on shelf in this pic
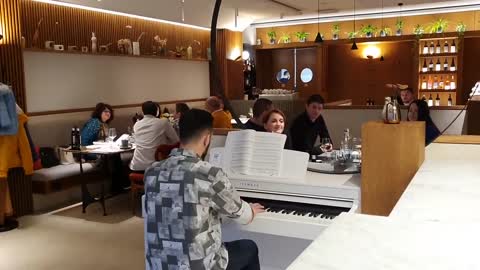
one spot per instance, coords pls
(84, 49)
(125, 46)
(136, 44)
(179, 51)
(94, 43)
(105, 48)
(162, 46)
(36, 35)
(189, 52)
(199, 48)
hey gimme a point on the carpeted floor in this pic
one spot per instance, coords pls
(75, 241)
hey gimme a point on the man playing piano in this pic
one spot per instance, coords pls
(308, 126)
(185, 198)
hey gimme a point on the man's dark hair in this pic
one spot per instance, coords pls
(150, 108)
(193, 123)
(409, 89)
(260, 106)
(181, 108)
(99, 108)
(315, 99)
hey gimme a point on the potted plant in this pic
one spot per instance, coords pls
(385, 31)
(368, 30)
(461, 28)
(352, 35)
(418, 30)
(285, 38)
(302, 36)
(272, 36)
(335, 31)
(399, 24)
(438, 26)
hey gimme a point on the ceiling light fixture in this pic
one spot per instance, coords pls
(236, 18)
(354, 45)
(183, 10)
(318, 39)
(64, 4)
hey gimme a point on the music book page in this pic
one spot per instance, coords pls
(254, 153)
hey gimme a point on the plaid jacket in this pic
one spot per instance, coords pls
(184, 200)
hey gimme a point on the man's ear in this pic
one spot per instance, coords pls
(206, 139)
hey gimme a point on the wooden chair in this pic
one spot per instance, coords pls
(136, 179)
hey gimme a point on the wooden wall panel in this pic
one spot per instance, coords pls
(352, 76)
(471, 72)
(11, 57)
(282, 59)
(73, 27)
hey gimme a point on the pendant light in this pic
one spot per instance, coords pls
(236, 18)
(318, 39)
(183, 10)
(354, 45)
(383, 29)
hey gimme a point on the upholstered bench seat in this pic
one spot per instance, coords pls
(62, 177)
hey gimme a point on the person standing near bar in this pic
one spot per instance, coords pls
(260, 108)
(185, 199)
(407, 96)
(308, 126)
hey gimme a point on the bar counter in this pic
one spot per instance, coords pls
(433, 225)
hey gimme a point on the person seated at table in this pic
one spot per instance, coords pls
(180, 108)
(260, 108)
(221, 118)
(185, 200)
(308, 126)
(274, 121)
(407, 96)
(150, 132)
(97, 127)
(419, 111)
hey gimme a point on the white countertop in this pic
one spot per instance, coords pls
(434, 225)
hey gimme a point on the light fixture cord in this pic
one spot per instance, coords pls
(318, 16)
(382, 16)
(354, 7)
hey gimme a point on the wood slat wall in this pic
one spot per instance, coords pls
(11, 57)
(73, 27)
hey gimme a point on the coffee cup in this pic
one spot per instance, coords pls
(124, 144)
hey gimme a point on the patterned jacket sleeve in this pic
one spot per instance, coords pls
(226, 200)
(90, 131)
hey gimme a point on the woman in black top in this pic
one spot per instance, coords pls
(274, 121)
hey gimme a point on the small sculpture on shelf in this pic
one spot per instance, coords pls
(136, 44)
(161, 46)
(94, 43)
(198, 48)
(124, 46)
(36, 34)
(179, 51)
(105, 48)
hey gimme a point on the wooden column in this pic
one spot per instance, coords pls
(11, 55)
(473, 118)
(229, 46)
(391, 156)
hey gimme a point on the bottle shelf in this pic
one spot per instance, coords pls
(437, 73)
(436, 55)
(439, 91)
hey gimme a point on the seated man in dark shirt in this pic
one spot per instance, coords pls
(260, 108)
(308, 126)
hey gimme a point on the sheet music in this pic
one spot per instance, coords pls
(254, 153)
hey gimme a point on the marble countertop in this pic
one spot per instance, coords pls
(433, 226)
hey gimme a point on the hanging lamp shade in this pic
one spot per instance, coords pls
(319, 38)
(382, 58)
(354, 45)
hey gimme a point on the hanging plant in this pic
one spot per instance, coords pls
(399, 24)
(302, 36)
(352, 35)
(461, 28)
(336, 31)
(418, 30)
(368, 30)
(385, 31)
(285, 38)
(439, 26)
(272, 36)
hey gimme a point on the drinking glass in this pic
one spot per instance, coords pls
(326, 145)
(357, 148)
(112, 133)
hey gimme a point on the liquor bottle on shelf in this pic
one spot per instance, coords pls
(425, 48)
(441, 83)
(425, 67)
(438, 49)
(430, 101)
(437, 101)
(431, 50)
(447, 84)
(430, 65)
(73, 138)
(429, 83)
(438, 65)
(435, 83)
(424, 83)
(453, 48)
(424, 98)
(453, 84)
(445, 65)
(450, 101)
(452, 66)
(445, 47)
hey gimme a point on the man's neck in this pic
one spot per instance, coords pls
(197, 149)
(256, 121)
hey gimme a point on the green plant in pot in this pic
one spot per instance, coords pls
(351, 35)
(368, 30)
(439, 26)
(399, 24)
(302, 36)
(461, 28)
(418, 30)
(385, 31)
(335, 31)
(272, 36)
(285, 38)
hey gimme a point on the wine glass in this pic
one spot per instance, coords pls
(326, 145)
(112, 133)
